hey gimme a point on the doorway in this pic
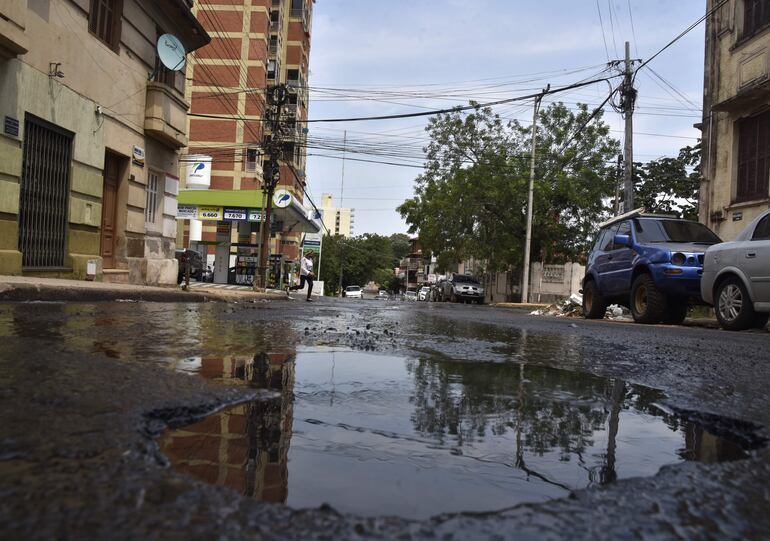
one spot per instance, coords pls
(112, 169)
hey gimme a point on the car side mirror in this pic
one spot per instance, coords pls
(622, 240)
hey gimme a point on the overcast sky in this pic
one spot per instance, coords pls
(367, 54)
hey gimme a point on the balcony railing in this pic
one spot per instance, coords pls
(165, 116)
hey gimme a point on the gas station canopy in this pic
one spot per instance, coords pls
(242, 206)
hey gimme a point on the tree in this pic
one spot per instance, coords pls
(359, 258)
(670, 185)
(470, 202)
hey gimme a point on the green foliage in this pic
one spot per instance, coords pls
(670, 185)
(471, 200)
(361, 259)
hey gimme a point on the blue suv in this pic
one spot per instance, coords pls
(651, 264)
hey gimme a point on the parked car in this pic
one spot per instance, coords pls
(736, 277)
(409, 296)
(462, 288)
(422, 295)
(382, 295)
(650, 263)
(353, 292)
(196, 264)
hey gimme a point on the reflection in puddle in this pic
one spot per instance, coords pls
(381, 435)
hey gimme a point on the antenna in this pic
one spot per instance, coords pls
(171, 52)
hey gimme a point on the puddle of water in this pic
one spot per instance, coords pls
(382, 435)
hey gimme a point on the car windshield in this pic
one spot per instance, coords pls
(461, 279)
(655, 230)
(353, 288)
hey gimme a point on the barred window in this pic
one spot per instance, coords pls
(753, 158)
(104, 21)
(151, 204)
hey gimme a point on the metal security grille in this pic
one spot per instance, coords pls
(151, 204)
(44, 194)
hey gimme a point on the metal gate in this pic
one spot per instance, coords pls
(44, 194)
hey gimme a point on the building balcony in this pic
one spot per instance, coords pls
(165, 116)
(13, 37)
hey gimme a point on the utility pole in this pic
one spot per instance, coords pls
(618, 180)
(272, 145)
(342, 187)
(528, 240)
(628, 99)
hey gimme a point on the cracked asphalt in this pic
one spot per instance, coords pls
(86, 388)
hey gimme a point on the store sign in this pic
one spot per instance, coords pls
(137, 156)
(235, 214)
(187, 212)
(282, 199)
(210, 213)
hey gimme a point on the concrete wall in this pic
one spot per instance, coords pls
(551, 283)
(73, 80)
(736, 87)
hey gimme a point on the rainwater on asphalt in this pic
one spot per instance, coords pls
(386, 435)
(477, 423)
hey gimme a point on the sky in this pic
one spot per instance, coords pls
(374, 57)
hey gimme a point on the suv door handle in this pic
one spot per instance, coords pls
(751, 254)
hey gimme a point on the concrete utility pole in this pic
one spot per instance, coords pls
(618, 179)
(277, 96)
(342, 187)
(628, 99)
(528, 240)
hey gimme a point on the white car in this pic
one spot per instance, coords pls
(353, 292)
(736, 277)
(422, 295)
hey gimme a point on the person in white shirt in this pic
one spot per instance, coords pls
(305, 274)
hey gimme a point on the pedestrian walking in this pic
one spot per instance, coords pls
(306, 275)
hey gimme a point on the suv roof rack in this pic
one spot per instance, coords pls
(622, 217)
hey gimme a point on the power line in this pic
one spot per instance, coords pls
(604, 36)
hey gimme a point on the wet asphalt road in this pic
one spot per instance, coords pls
(86, 388)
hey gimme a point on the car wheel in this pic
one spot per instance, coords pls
(648, 304)
(594, 304)
(760, 320)
(676, 311)
(733, 305)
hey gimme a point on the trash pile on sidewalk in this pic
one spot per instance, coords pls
(573, 307)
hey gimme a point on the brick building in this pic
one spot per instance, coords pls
(255, 43)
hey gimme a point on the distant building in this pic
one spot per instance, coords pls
(92, 124)
(736, 116)
(338, 221)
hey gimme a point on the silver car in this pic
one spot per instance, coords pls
(736, 277)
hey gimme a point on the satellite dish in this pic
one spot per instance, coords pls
(171, 52)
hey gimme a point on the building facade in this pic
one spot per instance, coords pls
(256, 43)
(337, 221)
(92, 127)
(736, 115)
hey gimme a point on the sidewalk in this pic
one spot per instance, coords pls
(22, 288)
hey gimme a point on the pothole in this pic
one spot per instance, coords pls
(385, 435)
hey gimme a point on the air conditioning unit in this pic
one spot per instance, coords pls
(252, 157)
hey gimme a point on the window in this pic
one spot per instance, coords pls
(753, 158)
(251, 160)
(756, 15)
(151, 204)
(271, 68)
(762, 231)
(608, 238)
(104, 21)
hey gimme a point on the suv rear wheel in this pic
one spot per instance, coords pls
(648, 303)
(676, 311)
(734, 309)
(594, 305)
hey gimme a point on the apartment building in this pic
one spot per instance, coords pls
(92, 124)
(736, 115)
(256, 43)
(337, 220)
